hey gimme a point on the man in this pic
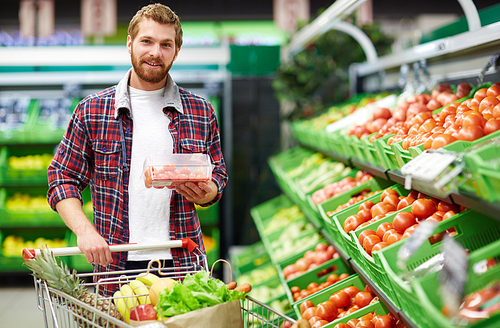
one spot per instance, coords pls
(110, 135)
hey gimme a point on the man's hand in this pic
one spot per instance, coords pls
(90, 242)
(199, 192)
(94, 247)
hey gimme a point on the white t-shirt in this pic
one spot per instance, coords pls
(149, 208)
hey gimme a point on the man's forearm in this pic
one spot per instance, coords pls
(71, 212)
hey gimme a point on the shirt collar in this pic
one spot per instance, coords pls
(172, 97)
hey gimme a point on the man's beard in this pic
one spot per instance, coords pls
(147, 74)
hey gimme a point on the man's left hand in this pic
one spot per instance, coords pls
(198, 192)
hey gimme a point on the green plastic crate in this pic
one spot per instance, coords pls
(473, 232)
(427, 288)
(26, 215)
(378, 308)
(386, 154)
(247, 258)
(15, 263)
(266, 210)
(347, 145)
(324, 295)
(371, 152)
(17, 131)
(358, 146)
(36, 158)
(335, 143)
(337, 222)
(336, 266)
(402, 156)
(483, 164)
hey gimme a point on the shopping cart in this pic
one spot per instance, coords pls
(62, 310)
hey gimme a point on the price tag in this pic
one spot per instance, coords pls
(428, 165)
(454, 274)
(422, 233)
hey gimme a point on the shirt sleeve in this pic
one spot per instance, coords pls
(69, 173)
(219, 173)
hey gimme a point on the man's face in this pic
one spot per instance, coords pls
(153, 53)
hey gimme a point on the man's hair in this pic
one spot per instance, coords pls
(160, 14)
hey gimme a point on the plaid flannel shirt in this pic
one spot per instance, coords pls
(95, 150)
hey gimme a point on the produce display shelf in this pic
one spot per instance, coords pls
(385, 300)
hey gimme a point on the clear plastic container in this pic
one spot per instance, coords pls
(169, 171)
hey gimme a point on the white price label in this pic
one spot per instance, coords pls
(422, 233)
(428, 165)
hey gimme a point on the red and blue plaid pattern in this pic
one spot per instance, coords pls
(90, 154)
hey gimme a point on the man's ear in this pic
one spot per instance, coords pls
(177, 53)
(129, 44)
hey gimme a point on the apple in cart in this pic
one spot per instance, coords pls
(143, 312)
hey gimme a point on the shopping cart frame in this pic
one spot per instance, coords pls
(61, 310)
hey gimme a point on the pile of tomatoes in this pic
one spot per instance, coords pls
(372, 320)
(354, 200)
(335, 188)
(314, 287)
(405, 222)
(170, 176)
(468, 121)
(311, 259)
(339, 304)
(386, 122)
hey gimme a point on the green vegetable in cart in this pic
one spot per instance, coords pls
(195, 292)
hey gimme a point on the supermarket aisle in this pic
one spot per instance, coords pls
(18, 308)
(18, 302)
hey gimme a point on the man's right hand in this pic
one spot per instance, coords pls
(94, 247)
(90, 242)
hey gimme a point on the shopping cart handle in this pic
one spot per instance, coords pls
(31, 253)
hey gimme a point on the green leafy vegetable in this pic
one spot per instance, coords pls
(195, 292)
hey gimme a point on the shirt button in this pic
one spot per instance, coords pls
(104, 149)
(126, 207)
(129, 129)
(128, 155)
(126, 234)
(126, 180)
(124, 259)
(61, 151)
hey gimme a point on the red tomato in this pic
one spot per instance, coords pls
(351, 223)
(382, 228)
(352, 323)
(365, 214)
(393, 237)
(423, 208)
(309, 313)
(470, 133)
(305, 305)
(365, 324)
(388, 192)
(445, 207)
(314, 319)
(367, 204)
(496, 111)
(327, 311)
(312, 286)
(494, 91)
(351, 290)
(333, 278)
(342, 325)
(393, 199)
(364, 234)
(369, 242)
(442, 140)
(341, 299)
(382, 208)
(379, 246)
(405, 201)
(491, 126)
(319, 323)
(488, 102)
(449, 214)
(343, 276)
(408, 232)
(362, 299)
(385, 321)
(402, 221)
